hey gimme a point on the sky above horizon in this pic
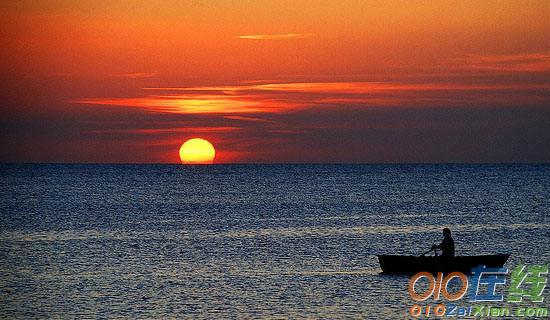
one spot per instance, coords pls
(276, 81)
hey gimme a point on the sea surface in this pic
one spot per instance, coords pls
(249, 241)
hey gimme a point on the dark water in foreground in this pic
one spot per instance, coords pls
(276, 241)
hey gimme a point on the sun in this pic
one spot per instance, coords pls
(197, 151)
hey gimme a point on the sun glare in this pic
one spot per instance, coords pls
(197, 151)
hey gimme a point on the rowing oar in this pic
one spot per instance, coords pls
(425, 253)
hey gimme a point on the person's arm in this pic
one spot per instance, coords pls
(439, 246)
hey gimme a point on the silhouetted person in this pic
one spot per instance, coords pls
(447, 246)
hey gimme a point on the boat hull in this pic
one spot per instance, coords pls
(395, 264)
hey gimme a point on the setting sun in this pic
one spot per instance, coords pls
(197, 151)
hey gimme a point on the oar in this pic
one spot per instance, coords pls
(425, 253)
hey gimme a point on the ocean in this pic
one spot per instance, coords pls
(250, 241)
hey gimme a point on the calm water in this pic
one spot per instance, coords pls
(276, 241)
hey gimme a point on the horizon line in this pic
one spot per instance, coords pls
(275, 163)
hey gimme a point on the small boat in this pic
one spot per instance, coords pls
(394, 264)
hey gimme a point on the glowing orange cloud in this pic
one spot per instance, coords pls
(252, 119)
(169, 131)
(136, 75)
(285, 97)
(276, 36)
(532, 62)
(186, 104)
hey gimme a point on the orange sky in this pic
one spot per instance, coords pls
(276, 81)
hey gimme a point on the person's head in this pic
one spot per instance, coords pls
(446, 232)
